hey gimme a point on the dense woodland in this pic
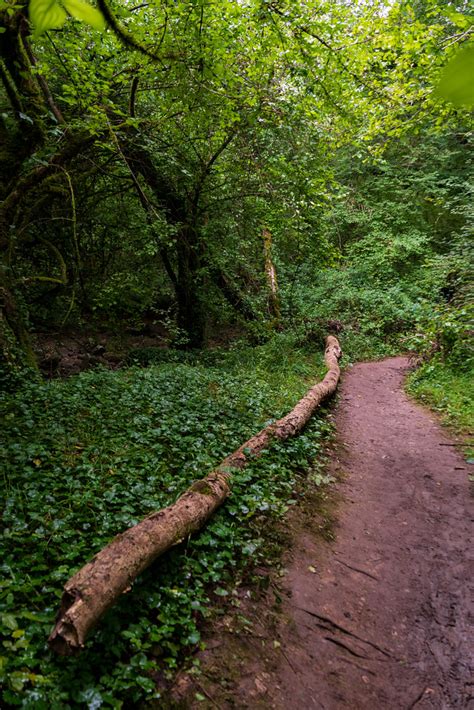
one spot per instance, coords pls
(198, 193)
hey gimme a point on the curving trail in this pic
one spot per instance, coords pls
(377, 619)
(384, 621)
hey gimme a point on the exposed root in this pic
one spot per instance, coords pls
(332, 623)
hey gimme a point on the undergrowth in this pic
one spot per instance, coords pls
(449, 391)
(443, 341)
(87, 457)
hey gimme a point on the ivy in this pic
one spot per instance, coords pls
(88, 457)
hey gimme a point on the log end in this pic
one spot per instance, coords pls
(333, 349)
(62, 640)
(332, 343)
(65, 638)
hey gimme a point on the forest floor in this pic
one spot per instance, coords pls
(67, 353)
(378, 616)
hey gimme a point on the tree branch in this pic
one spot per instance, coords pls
(44, 85)
(133, 93)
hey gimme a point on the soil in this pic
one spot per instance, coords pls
(378, 617)
(68, 352)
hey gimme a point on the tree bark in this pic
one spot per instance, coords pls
(232, 294)
(271, 276)
(98, 585)
(191, 318)
(16, 350)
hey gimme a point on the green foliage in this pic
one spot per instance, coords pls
(46, 15)
(86, 458)
(444, 326)
(447, 389)
(402, 226)
(52, 14)
(446, 332)
(373, 320)
(239, 109)
(81, 10)
(156, 356)
(455, 84)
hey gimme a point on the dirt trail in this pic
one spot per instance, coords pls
(384, 621)
(379, 618)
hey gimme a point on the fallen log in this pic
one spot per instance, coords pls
(98, 585)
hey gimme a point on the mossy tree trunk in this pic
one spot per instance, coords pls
(21, 179)
(271, 277)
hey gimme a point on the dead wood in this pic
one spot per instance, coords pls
(271, 275)
(98, 585)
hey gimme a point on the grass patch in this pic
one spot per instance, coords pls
(449, 391)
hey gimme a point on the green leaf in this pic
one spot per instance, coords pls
(81, 10)
(46, 15)
(194, 637)
(458, 18)
(456, 83)
(18, 680)
(9, 621)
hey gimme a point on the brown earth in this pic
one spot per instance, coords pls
(378, 618)
(66, 353)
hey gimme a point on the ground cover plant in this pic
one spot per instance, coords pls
(86, 458)
(445, 362)
(448, 391)
(442, 344)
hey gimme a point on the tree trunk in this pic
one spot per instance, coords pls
(270, 274)
(98, 585)
(232, 293)
(191, 317)
(16, 350)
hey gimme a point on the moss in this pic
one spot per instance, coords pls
(202, 487)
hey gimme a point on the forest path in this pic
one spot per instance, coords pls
(383, 623)
(378, 618)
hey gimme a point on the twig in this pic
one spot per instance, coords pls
(347, 648)
(417, 699)
(208, 695)
(327, 620)
(357, 569)
(288, 661)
